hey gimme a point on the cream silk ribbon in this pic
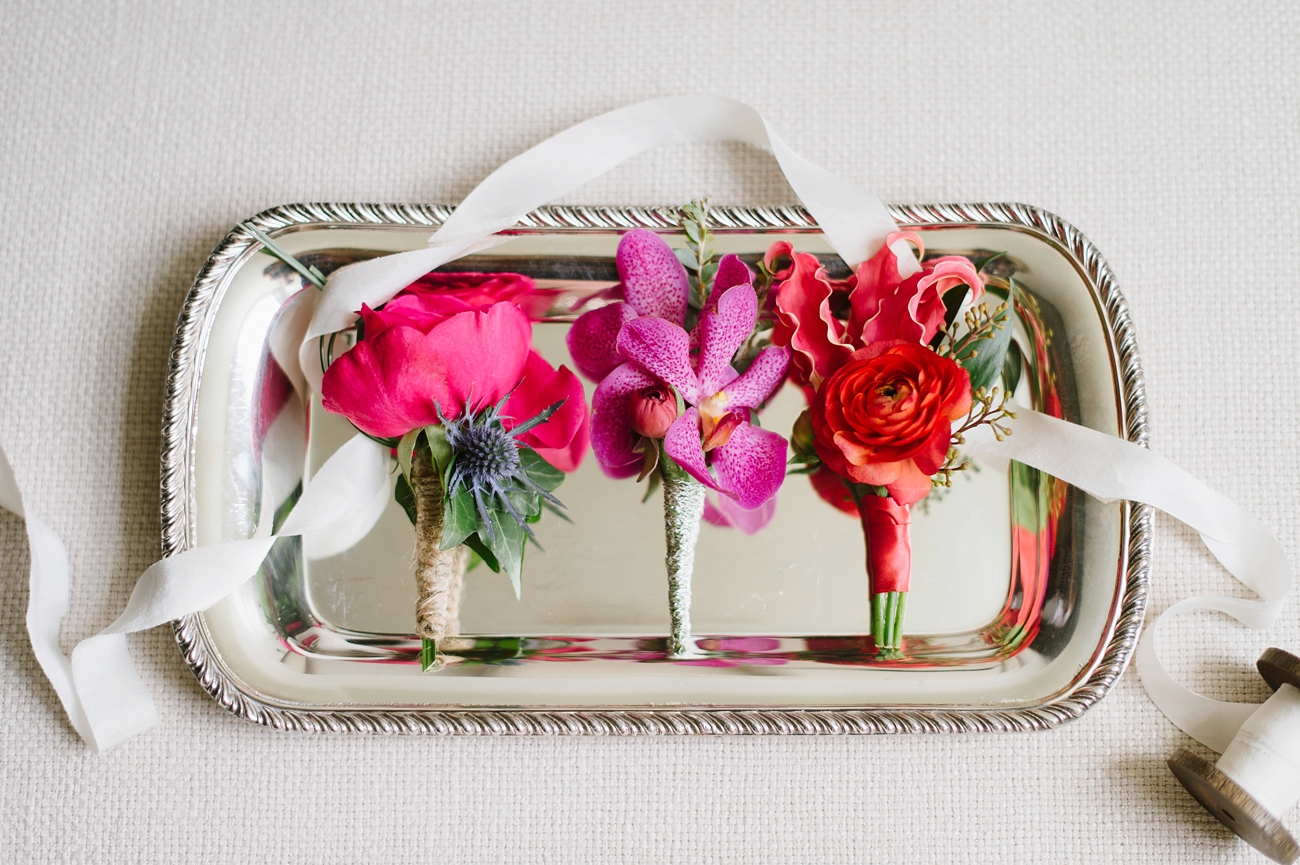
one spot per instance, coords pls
(104, 697)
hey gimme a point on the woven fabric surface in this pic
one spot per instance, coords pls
(133, 136)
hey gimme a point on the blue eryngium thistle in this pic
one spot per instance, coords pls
(486, 462)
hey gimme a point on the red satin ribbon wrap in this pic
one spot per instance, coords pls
(887, 527)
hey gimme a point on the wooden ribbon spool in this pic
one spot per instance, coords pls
(1227, 799)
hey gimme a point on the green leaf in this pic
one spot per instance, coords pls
(474, 560)
(476, 545)
(710, 270)
(405, 448)
(952, 302)
(405, 497)
(439, 448)
(542, 473)
(273, 249)
(998, 291)
(507, 544)
(986, 365)
(527, 504)
(1011, 368)
(986, 261)
(687, 258)
(692, 229)
(459, 518)
(650, 487)
(286, 507)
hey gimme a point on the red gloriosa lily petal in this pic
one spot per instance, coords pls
(804, 320)
(876, 278)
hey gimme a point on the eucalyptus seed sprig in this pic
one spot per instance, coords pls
(980, 324)
(988, 407)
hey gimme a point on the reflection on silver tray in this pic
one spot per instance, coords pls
(1027, 595)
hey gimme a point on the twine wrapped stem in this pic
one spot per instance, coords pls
(439, 574)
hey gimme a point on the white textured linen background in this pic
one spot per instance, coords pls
(133, 136)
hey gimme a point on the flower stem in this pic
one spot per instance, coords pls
(683, 510)
(887, 611)
(438, 573)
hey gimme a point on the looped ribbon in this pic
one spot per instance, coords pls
(99, 686)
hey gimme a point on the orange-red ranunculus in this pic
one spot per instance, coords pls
(885, 417)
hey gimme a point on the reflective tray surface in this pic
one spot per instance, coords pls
(1026, 600)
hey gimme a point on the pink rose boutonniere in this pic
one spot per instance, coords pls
(483, 426)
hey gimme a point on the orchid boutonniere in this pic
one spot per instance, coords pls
(671, 405)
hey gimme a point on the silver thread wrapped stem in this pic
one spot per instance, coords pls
(438, 573)
(683, 510)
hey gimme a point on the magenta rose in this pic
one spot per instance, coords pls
(413, 362)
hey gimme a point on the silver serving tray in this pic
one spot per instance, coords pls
(1027, 596)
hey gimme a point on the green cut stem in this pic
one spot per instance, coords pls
(887, 612)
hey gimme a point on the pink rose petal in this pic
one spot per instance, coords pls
(483, 354)
(387, 386)
(562, 440)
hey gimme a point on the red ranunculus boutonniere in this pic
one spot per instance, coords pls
(893, 379)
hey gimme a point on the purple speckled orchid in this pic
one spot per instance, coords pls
(653, 283)
(714, 434)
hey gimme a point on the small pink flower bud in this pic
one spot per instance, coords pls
(651, 410)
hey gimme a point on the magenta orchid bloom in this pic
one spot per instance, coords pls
(714, 433)
(726, 514)
(654, 283)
